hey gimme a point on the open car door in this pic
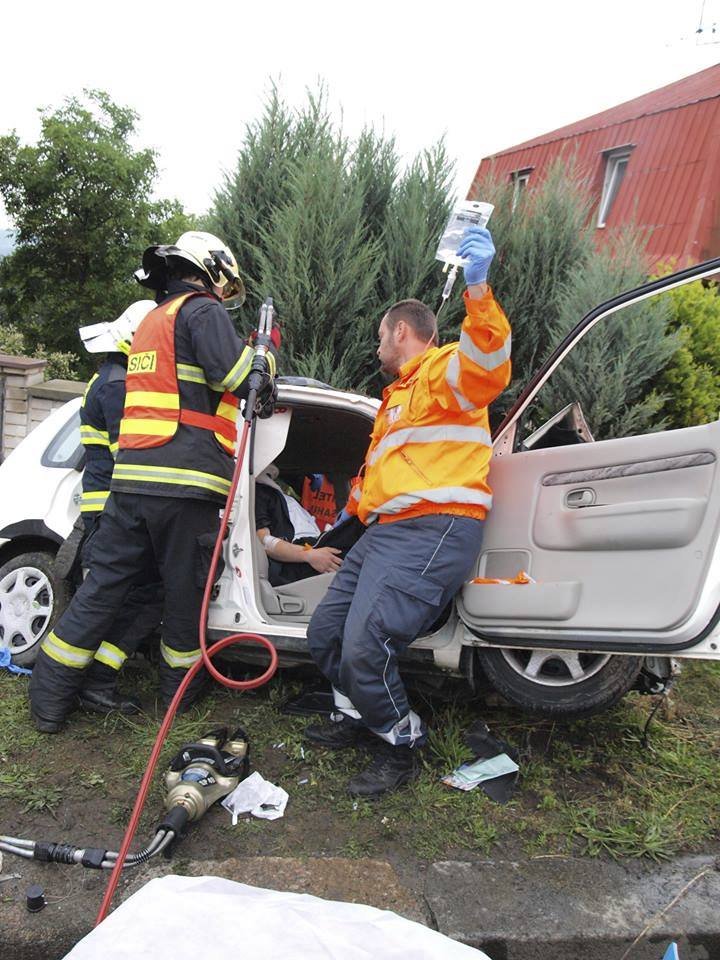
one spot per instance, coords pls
(620, 535)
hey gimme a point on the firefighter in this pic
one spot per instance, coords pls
(100, 415)
(423, 494)
(187, 370)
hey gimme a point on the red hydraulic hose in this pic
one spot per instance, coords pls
(204, 661)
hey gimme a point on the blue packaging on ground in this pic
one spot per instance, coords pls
(468, 775)
(6, 661)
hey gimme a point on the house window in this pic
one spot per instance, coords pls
(616, 162)
(519, 180)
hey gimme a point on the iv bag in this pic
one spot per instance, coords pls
(468, 213)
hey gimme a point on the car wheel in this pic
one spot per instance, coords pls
(32, 597)
(560, 683)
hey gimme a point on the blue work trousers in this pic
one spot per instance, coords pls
(391, 588)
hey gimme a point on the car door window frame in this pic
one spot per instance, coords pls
(505, 437)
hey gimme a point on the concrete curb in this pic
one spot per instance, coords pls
(542, 909)
(567, 909)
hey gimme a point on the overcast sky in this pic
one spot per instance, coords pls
(487, 74)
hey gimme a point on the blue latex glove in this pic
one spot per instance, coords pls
(342, 516)
(477, 247)
(316, 480)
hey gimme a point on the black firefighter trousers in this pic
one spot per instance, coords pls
(139, 536)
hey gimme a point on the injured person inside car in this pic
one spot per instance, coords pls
(295, 547)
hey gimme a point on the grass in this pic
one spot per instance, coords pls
(21, 786)
(590, 788)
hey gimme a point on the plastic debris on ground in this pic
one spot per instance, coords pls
(256, 796)
(495, 769)
(181, 918)
(671, 953)
(470, 775)
(6, 662)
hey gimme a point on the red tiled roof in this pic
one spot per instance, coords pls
(700, 86)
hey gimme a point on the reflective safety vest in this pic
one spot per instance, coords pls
(320, 503)
(152, 400)
(431, 446)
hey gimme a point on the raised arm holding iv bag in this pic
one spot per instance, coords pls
(467, 213)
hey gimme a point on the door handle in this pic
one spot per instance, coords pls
(580, 498)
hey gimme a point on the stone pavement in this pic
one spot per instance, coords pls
(541, 909)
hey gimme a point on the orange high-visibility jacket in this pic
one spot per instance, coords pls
(152, 400)
(430, 448)
(320, 504)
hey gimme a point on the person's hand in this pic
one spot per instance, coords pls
(476, 246)
(324, 559)
(266, 399)
(275, 336)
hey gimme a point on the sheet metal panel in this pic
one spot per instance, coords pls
(672, 181)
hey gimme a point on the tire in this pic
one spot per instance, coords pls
(559, 684)
(32, 598)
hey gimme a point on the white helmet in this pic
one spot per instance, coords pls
(116, 336)
(206, 253)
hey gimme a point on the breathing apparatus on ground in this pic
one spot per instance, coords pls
(200, 774)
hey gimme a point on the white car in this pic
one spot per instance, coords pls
(620, 538)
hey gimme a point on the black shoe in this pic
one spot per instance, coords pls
(105, 700)
(338, 732)
(46, 726)
(390, 768)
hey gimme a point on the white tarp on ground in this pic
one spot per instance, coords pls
(183, 918)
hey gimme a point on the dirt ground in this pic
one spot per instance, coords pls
(589, 788)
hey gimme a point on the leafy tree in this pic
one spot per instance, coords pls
(547, 276)
(12, 342)
(543, 244)
(691, 381)
(80, 202)
(613, 371)
(333, 231)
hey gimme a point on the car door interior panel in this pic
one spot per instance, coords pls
(627, 526)
(531, 601)
(632, 525)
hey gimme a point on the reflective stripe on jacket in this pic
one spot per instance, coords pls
(430, 448)
(188, 367)
(100, 415)
(152, 402)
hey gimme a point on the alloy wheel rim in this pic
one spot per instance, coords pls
(26, 605)
(554, 668)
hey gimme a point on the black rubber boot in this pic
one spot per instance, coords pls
(46, 726)
(339, 732)
(391, 767)
(170, 680)
(105, 700)
(193, 696)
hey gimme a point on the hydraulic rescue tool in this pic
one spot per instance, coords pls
(214, 763)
(199, 775)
